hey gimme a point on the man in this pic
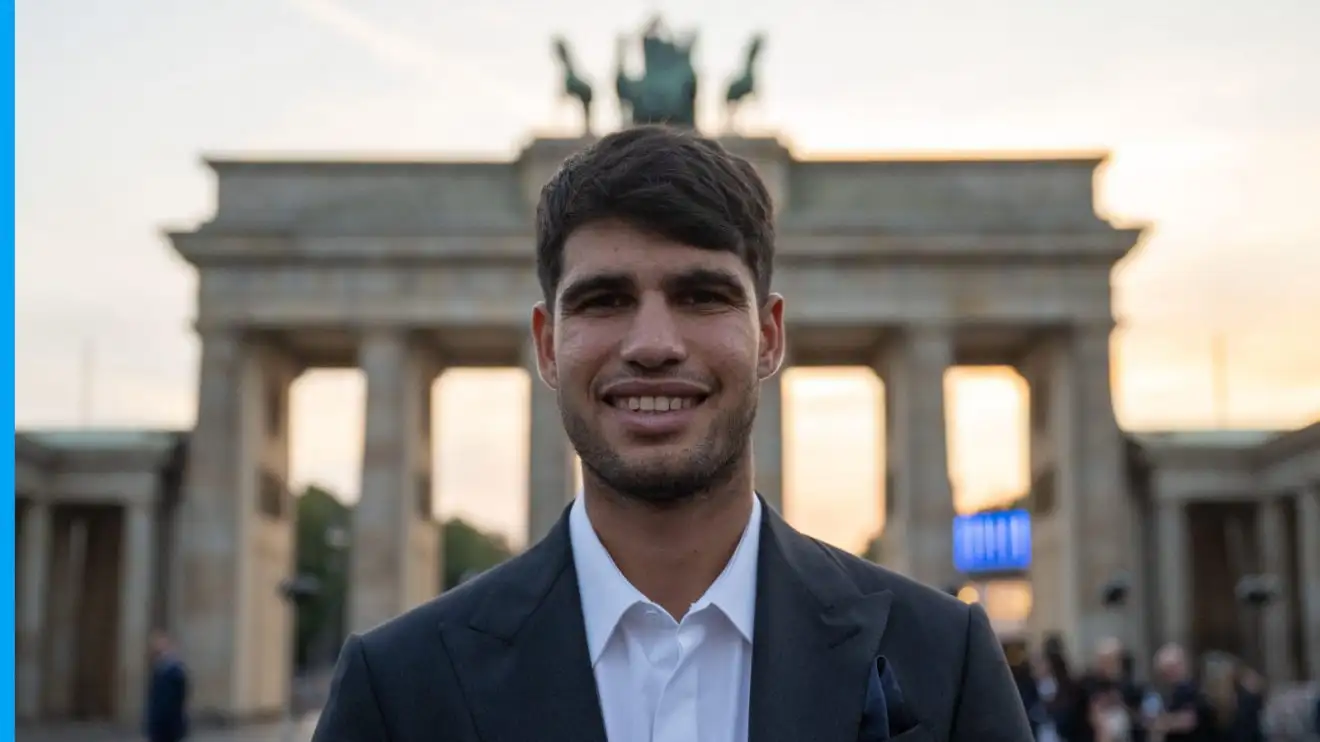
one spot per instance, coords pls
(167, 693)
(1109, 677)
(1185, 716)
(669, 604)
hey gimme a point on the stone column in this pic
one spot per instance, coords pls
(211, 526)
(234, 538)
(33, 585)
(135, 599)
(1084, 512)
(395, 561)
(64, 606)
(1175, 572)
(1308, 581)
(1093, 471)
(918, 539)
(549, 454)
(1052, 544)
(1275, 631)
(768, 442)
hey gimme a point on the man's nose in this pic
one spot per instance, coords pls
(654, 340)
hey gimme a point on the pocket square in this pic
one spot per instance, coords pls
(886, 714)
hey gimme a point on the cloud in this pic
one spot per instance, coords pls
(403, 52)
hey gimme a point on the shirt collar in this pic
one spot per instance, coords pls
(606, 594)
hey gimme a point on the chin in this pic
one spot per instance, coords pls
(664, 474)
(647, 451)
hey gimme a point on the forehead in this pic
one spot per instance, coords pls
(619, 249)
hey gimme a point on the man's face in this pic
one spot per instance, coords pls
(656, 350)
(1109, 660)
(1171, 666)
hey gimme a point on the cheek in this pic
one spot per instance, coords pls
(732, 347)
(579, 352)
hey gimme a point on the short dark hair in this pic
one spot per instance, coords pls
(666, 181)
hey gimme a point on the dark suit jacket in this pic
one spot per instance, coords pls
(504, 658)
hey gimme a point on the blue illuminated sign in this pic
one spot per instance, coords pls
(992, 542)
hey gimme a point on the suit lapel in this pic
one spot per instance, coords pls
(522, 659)
(816, 636)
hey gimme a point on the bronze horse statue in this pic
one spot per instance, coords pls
(744, 85)
(574, 86)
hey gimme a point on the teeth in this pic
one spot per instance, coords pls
(655, 404)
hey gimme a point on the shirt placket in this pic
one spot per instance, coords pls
(676, 718)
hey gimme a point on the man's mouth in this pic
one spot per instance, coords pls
(654, 404)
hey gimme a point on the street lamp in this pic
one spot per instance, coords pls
(1256, 593)
(1114, 593)
(296, 591)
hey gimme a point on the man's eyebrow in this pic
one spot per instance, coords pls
(706, 278)
(601, 282)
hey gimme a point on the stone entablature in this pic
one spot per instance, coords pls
(999, 249)
(958, 193)
(94, 466)
(1232, 465)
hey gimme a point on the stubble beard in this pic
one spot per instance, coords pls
(676, 480)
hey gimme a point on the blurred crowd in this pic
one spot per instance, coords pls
(1212, 698)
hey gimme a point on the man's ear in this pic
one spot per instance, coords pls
(543, 337)
(773, 344)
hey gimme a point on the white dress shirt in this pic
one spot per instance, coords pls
(662, 680)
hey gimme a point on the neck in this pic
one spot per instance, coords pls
(671, 554)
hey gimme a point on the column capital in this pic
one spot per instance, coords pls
(924, 331)
(926, 343)
(382, 335)
(395, 343)
(220, 339)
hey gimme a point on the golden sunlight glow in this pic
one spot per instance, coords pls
(1007, 600)
(835, 450)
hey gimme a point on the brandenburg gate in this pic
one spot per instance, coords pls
(405, 269)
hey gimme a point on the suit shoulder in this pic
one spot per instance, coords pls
(452, 606)
(871, 577)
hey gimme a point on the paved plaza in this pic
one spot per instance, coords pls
(102, 733)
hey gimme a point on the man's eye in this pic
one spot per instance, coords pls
(701, 298)
(605, 301)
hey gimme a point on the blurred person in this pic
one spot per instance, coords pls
(1029, 691)
(1292, 713)
(670, 603)
(1111, 675)
(1045, 691)
(1059, 691)
(1108, 717)
(1234, 697)
(166, 714)
(1185, 716)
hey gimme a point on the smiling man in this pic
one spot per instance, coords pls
(670, 603)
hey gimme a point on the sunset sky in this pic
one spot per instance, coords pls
(1210, 109)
